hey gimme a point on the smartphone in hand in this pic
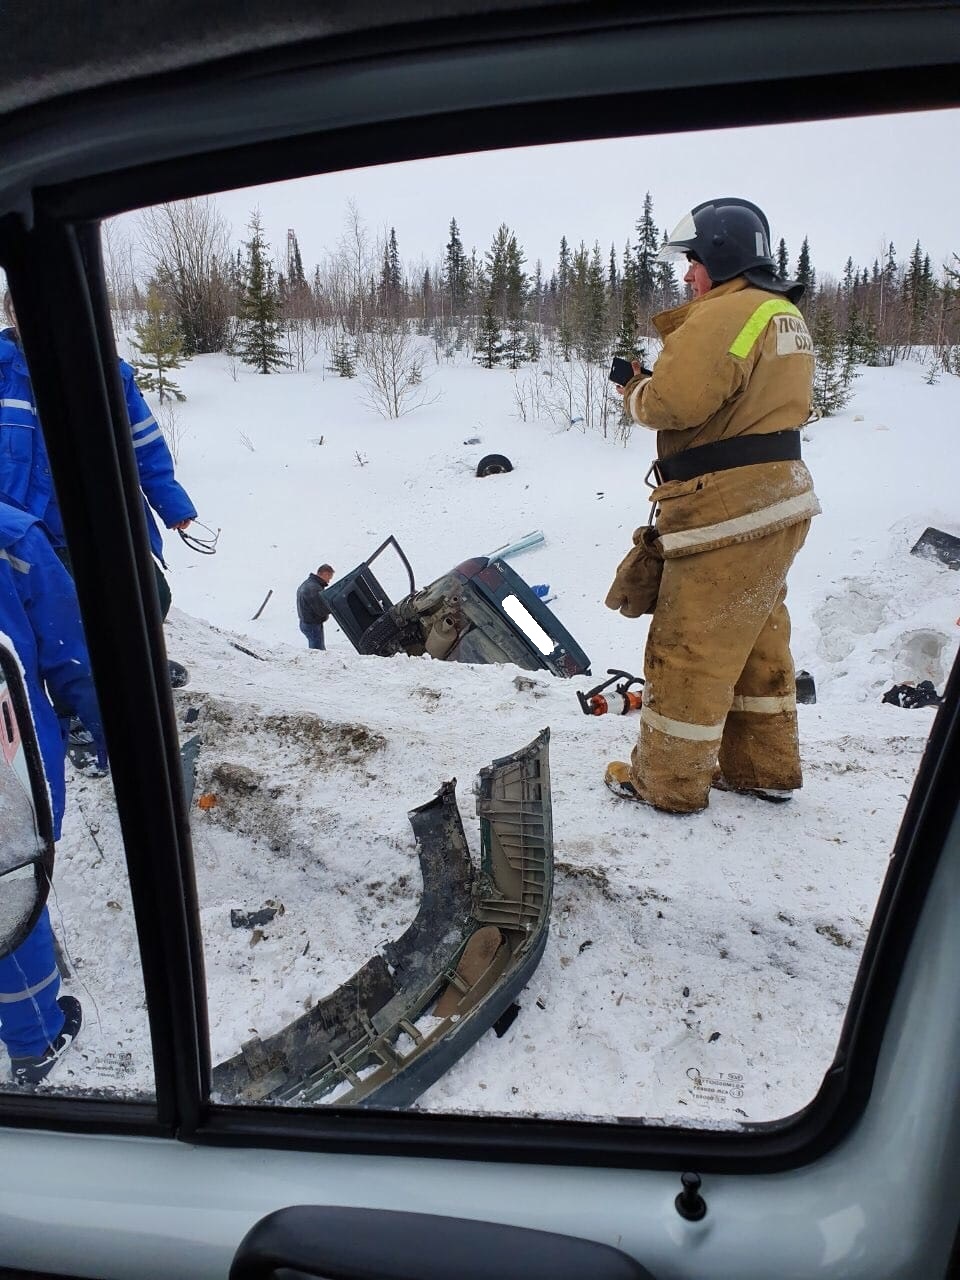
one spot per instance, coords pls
(621, 371)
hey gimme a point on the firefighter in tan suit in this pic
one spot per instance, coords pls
(731, 389)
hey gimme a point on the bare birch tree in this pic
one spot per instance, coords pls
(188, 246)
(118, 266)
(391, 369)
(355, 253)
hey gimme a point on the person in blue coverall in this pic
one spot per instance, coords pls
(25, 472)
(40, 617)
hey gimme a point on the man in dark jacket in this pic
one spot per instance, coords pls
(40, 618)
(312, 609)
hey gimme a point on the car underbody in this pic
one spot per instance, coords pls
(481, 612)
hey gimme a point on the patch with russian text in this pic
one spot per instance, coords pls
(793, 337)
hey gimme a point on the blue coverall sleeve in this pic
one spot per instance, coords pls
(24, 470)
(155, 465)
(50, 603)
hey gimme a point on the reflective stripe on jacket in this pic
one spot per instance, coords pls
(154, 465)
(40, 615)
(25, 470)
(737, 361)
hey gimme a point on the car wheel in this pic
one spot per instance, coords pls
(382, 637)
(494, 464)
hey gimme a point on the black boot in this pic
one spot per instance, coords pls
(33, 1070)
(80, 746)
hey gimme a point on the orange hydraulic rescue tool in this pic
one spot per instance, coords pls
(618, 701)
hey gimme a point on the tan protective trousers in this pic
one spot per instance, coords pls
(720, 684)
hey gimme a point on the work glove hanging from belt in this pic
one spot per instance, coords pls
(637, 583)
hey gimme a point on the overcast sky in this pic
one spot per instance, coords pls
(851, 186)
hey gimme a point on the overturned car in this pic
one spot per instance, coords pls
(481, 612)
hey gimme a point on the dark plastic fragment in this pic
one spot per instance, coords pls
(251, 919)
(362, 1044)
(934, 544)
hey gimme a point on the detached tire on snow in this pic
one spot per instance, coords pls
(494, 464)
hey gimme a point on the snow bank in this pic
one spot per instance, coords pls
(698, 968)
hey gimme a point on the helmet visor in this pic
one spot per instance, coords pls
(680, 239)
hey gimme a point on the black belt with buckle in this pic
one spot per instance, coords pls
(721, 455)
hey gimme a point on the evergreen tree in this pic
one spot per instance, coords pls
(805, 272)
(456, 270)
(535, 297)
(565, 337)
(426, 300)
(235, 272)
(393, 262)
(564, 277)
(919, 290)
(626, 341)
(628, 270)
(563, 267)
(342, 358)
(951, 308)
(515, 347)
(783, 262)
(295, 277)
(591, 336)
(258, 306)
(516, 281)
(647, 279)
(391, 276)
(890, 266)
(489, 342)
(885, 280)
(161, 345)
(668, 288)
(505, 296)
(848, 278)
(495, 272)
(505, 277)
(833, 368)
(613, 273)
(860, 339)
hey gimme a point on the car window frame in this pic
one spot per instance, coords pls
(55, 269)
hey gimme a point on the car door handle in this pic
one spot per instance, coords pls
(331, 1243)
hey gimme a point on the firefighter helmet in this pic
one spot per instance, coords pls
(729, 236)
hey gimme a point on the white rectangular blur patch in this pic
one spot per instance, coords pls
(793, 337)
(527, 623)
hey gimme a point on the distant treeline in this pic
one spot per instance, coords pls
(494, 307)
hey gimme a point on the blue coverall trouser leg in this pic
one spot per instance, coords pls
(30, 1018)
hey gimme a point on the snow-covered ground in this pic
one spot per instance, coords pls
(698, 968)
